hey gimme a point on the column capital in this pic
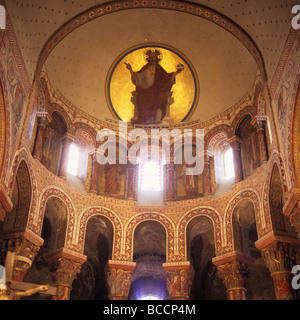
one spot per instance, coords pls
(179, 279)
(275, 237)
(234, 275)
(260, 119)
(119, 278)
(67, 254)
(43, 118)
(235, 141)
(24, 254)
(65, 265)
(233, 269)
(279, 252)
(232, 256)
(125, 265)
(21, 234)
(280, 255)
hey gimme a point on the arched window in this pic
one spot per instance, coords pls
(150, 185)
(151, 176)
(228, 164)
(73, 161)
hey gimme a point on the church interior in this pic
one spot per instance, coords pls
(83, 82)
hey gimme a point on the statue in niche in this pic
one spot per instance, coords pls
(153, 95)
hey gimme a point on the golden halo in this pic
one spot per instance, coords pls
(154, 50)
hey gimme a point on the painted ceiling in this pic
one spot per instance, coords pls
(78, 65)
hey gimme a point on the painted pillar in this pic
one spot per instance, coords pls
(233, 269)
(235, 143)
(95, 170)
(179, 279)
(65, 265)
(279, 254)
(66, 143)
(206, 173)
(43, 120)
(259, 123)
(119, 279)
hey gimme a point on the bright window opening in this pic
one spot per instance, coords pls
(151, 176)
(73, 162)
(229, 164)
(149, 297)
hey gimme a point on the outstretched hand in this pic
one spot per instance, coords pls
(128, 66)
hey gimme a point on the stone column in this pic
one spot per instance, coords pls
(279, 253)
(291, 209)
(95, 170)
(179, 279)
(259, 123)
(206, 173)
(65, 265)
(119, 279)
(233, 269)
(66, 143)
(43, 119)
(235, 143)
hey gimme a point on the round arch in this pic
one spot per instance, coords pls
(47, 193)
(154, 216)
(245, 194)
(77, 241)
(182, 224)
(240, 117)
(23, 155)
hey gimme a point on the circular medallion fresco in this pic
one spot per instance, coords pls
(150, 83)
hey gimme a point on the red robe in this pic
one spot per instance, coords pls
(149, 100)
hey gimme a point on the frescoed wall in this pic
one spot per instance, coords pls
(284, 102)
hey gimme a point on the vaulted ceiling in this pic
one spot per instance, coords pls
(79, 63)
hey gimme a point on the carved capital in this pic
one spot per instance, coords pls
(280, 257)
(119, 279)
(179, 280)
(65, 271)
(234, 274)
(235, 142)
(25, 252)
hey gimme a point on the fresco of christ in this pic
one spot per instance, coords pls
(153, 89)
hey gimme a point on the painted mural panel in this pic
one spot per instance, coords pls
(283, 104)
